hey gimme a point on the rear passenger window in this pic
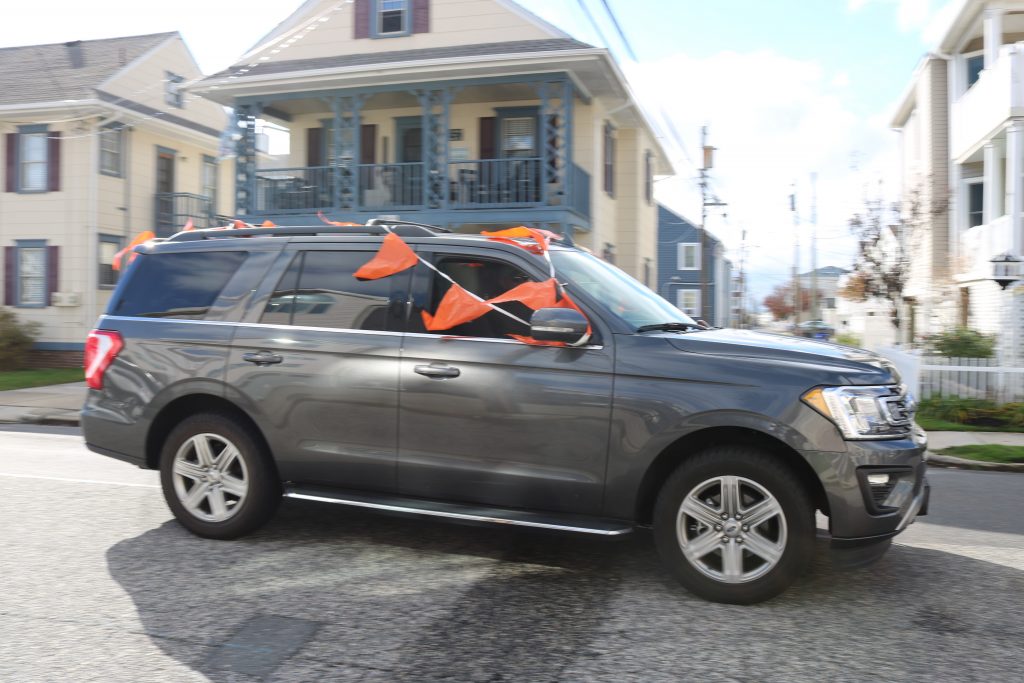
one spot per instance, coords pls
(181, 285)
(328, 295)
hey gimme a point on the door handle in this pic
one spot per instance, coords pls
(262, 358)
(437, 370)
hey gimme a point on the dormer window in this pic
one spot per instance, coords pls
(392, 17)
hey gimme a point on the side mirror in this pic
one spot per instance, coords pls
(565, 325)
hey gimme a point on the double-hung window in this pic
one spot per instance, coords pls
(392, 17)
(609, 158)
(31, 272)
(209, 181)
(33, 163)
(108, 247)
(688, 301)
(975, 65)
(518, 137)
(689, 256)
(975, 203)
(172, 90)
(111, 150)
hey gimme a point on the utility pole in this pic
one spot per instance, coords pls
(815, 312)
(708, 164)
(796, 257)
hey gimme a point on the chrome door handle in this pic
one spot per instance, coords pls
(437, 370)
(262, 358)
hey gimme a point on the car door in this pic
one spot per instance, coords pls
(487, 419)
(317, 362)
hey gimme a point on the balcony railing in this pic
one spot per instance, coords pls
(980, 243)
(174, 209)
(477, 184)
(997, 95)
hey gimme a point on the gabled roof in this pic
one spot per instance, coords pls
(826, 271)
(395, 56)
(67, 71)
(670, 220)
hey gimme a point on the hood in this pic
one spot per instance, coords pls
(775, 347)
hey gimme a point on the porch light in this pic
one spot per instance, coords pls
(1005, 269)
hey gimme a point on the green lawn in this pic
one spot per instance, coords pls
(989, 452)
(22, 379)
(930, 424)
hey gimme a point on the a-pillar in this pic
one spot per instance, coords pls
(993, 35)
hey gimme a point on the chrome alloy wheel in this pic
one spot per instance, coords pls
(210, 477)
(731, 529)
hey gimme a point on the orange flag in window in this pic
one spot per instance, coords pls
(394, 256)
(542, 238)
(458, 306)
(139, 239)
(531, 294)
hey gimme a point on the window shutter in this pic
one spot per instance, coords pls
(52, 272)
(420, 16)
(361, 19)
(11, 170)
(9, 275)
(314, 147)
(487, 124)
(53, 162)
(367, 153)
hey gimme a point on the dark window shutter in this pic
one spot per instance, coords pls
(11, 167)
(420, 16)
(487, 128)
(361, 17)
(9, 276)
(314, 147)
(52, 272)
(53, 162)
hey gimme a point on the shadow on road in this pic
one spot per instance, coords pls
(328, 593)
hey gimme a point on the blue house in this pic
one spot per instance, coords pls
(682, 269)
(469, 114)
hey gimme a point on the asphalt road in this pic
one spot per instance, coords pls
(98, 583)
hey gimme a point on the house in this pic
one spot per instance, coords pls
(961, 125)
(826, 279)
(100, 143)
(468, 114)
(683, 269)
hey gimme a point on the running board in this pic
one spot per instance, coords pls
(463, 511)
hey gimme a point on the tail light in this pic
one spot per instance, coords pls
(101, 347)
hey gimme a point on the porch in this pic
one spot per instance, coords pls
(172, 210)
(456, 152)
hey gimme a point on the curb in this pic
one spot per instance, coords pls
(937, 460)
(56, 418)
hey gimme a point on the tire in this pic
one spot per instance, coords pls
(212, 450)
(734, 563)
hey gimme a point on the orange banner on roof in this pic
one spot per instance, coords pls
(531, 294)
(141, 238)
(394, 256)
(328, 221)
(458, 306)
(542, 238)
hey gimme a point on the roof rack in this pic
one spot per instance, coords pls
(389, 221)
(400, 228)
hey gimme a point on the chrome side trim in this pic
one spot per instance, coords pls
(457, 515)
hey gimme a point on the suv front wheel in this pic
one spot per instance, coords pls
(216, 478)
(733, 524)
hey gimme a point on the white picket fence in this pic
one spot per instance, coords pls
(970, 378)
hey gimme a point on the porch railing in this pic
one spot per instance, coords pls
(174, 209)
(473, 184)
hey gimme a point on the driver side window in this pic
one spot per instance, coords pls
(487, 279)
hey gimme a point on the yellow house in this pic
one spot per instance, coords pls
(100, 142)
(463, 113)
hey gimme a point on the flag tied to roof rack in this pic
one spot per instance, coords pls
(128, 251)
(394, 256)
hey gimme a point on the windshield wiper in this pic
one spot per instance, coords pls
(669, 327)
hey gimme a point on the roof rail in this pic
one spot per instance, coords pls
(389, 221)
(401, 228)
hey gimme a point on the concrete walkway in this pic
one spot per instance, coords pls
(54, 404)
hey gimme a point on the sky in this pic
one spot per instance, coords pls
(787, 89)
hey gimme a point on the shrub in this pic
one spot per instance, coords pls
(973, 411)
(16, 339)
(848, 339)
(964, 343)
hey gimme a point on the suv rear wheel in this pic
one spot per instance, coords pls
(216, 478)
(734, 525)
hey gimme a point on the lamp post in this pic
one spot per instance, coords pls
(1006, 271)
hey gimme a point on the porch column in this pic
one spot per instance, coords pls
(556, 139)
(992, 188)
(957, 214)
(993, 35)
(345, 145)
(1014, 168)
(435, 125)
(245, 159)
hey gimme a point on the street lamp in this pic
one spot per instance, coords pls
(1005, 269)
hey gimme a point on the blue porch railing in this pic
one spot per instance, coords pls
(476, 184)
(174, 209)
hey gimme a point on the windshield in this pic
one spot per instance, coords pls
(620, 294)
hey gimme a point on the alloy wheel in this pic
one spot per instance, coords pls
(210, 477)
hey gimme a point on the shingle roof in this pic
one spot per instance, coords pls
(368, 59)
(67, 71)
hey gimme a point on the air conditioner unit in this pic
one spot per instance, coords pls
(66, 299)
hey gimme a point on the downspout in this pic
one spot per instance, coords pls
(126, 166)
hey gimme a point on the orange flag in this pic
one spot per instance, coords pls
(531, 294)
(394, 256)
(458, 306)
(328, 221)
(536, 342)
(139, 239)
(268, 224)
(239, 224)
(542, 238)
(189, 226)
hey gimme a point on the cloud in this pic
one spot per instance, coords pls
(774, 120)
(928, 18)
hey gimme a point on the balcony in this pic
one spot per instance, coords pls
(979, 244)
(995, 97)
(516, 183)
(174, 209)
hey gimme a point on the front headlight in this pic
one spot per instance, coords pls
(879, 412)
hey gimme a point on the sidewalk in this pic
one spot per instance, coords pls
(57, 404)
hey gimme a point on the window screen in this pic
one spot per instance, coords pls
(328, 295)
(182, 285)
(518, 136)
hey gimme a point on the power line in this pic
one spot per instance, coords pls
(622, 35)
(590, 18)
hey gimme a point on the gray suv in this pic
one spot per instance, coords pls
(250, 364)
